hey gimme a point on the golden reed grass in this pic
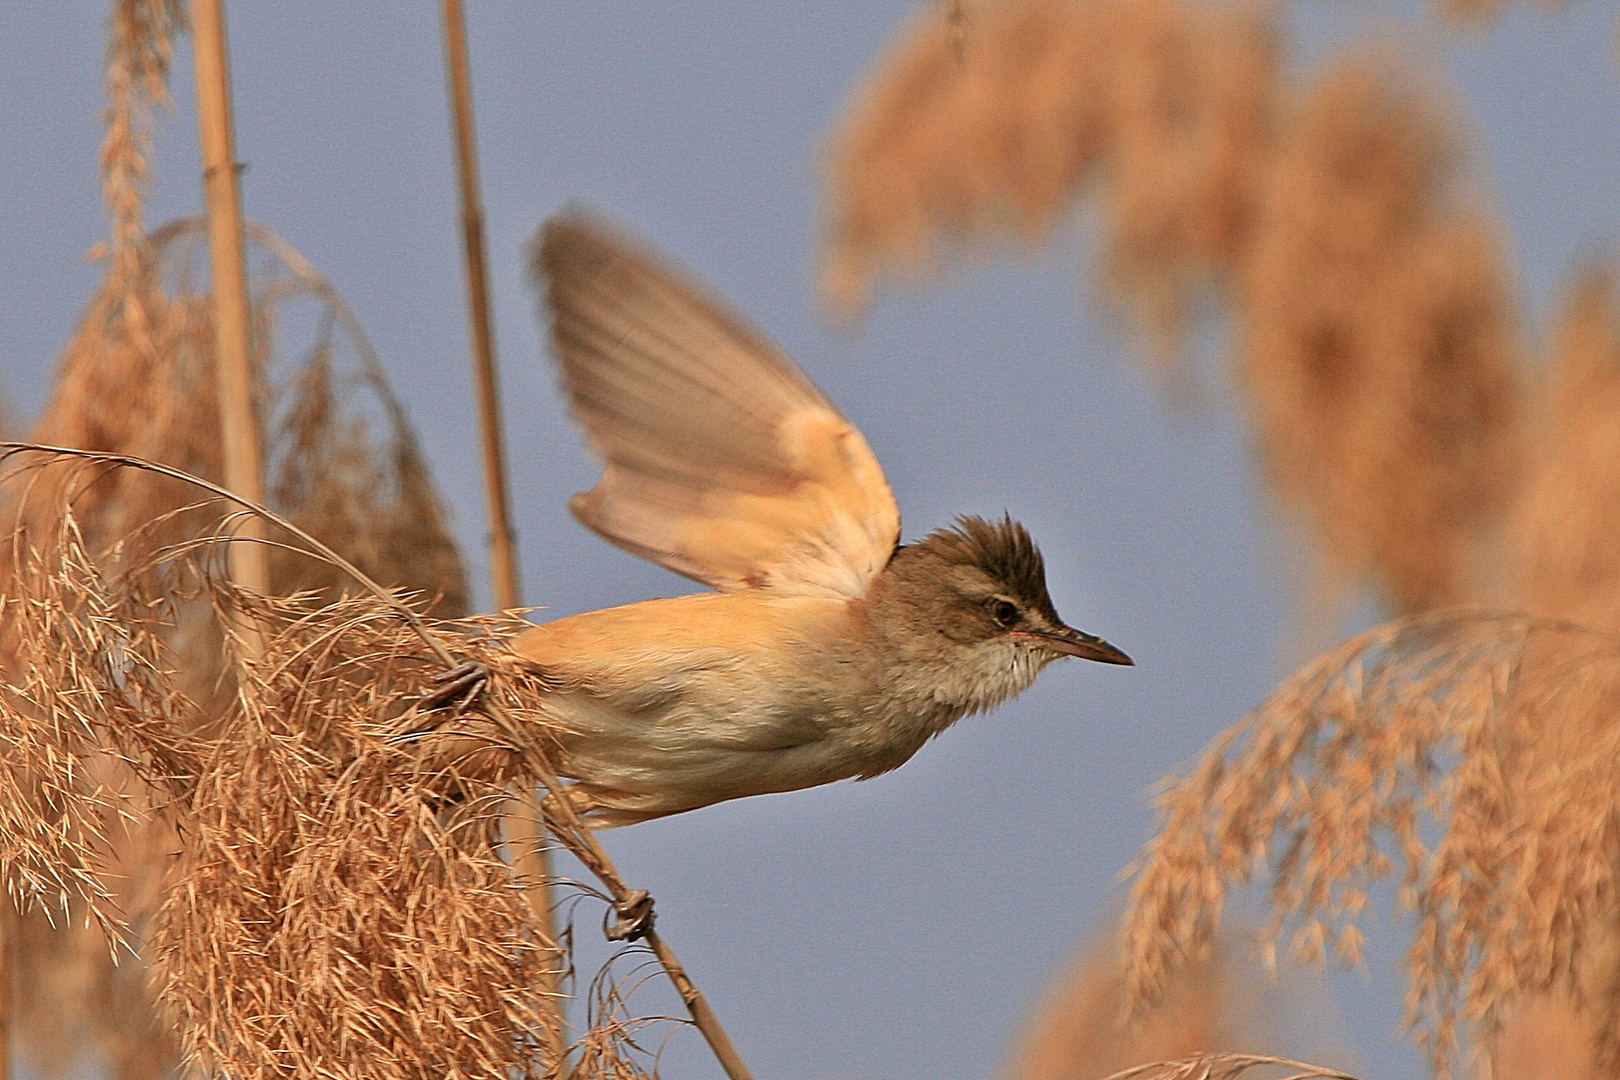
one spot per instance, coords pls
(78, 1000)
(137, 377)
(1559, 564)
(140, 50)
(1377, 340)
(1567, 513)
(110, 393)
(1077, 1032)
(372, 499)
(1377, 349)
(1540, 1006)
(337, 907)
(1481, 11)
(1330, 223)
(1228, 1067)
(1469, 758)
(999, 119)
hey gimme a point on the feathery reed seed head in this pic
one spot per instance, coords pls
(339, 907)
(1470, 757)
(145, 386)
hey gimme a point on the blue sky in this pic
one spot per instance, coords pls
(898, 926)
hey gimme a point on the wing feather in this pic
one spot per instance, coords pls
(721, 460)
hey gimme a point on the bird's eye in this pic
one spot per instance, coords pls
(1005, 612)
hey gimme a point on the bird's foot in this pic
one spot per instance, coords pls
(456, 689)
(635, 917)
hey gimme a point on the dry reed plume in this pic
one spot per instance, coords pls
(82, 999)
(1548, 1037)
(340, 906)
(341, 910)
(1228, 1067)
(1481, 11)
(140, 49)
(1470, 757)
(1377, 341)
(1211, 1005)
(129, 346)
(1568, 511)
(151, 392)
(367, 494)
(138, 378)
(1377, 349)
(1000, 120)
(1375, 332)
(1559, 565)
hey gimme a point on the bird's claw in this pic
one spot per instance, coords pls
(635, 917)
(457, 688)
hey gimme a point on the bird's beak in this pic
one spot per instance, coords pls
(1072, 642)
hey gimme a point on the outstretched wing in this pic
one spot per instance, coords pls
(722, 461)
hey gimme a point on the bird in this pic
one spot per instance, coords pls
(826, 649)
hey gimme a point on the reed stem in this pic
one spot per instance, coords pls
(503, 554)
(524, 835)
(239, 423)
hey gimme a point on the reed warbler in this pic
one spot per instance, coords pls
(828, 649)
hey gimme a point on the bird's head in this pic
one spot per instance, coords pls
(968, 612)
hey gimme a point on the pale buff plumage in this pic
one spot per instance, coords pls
(829, 651)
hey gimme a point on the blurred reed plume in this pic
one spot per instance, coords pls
(1559, 565)
(1470, 757)
(1568, 511)
(1377, 348)
(1482, 11)
(1377, 340)
(1373, 323)
(1549, 1037)
(1470, 9)
(1229, 1067)
(1212, 1004)
(999, 120)
(337, 907)
(137, 377)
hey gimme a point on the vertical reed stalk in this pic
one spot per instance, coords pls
(524, 833)
(503, 555)
(239, 425)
